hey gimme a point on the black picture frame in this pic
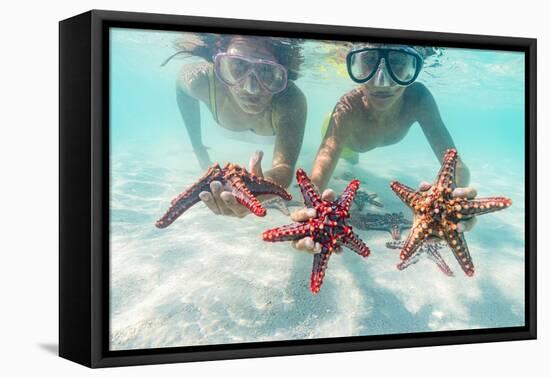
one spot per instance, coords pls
(84, 189)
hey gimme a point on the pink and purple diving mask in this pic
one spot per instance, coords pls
(233, 69)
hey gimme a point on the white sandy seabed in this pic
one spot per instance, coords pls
(209, 279)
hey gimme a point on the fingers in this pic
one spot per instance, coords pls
(214, 200)
(317, 248)
(468, 192)
(216, 188)
(424, 186)
(307, 245)
(208, 200)
(328, 195)
(228, 199)
(303, 214)
(232, 206)
(255, 163)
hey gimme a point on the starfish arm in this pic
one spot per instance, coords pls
(187, 198)
(371, 218)
(259, 186)
(409, 261)
(375, 227)
(320, 263)
(344, 202)
(481, 206)
(406, 194)
(312, 198)
(244, 196)
(364, 222)
(414, 240)
(435, 256)
(294, 231)
(446, 174)
(368, 221)
(357, 224)
(353, 242)
(376, 203)
(459, 247)
(395, 231)
(395, 244)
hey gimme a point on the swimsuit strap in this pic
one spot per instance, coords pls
(212, 93)
(273, 111)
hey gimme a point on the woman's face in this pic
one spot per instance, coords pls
(251, 97)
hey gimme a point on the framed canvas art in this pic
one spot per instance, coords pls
(235, 188)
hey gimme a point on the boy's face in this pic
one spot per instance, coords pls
(381, 90)
(382, 97)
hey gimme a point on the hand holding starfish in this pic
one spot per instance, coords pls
(329, 228)
(222, 202)
(437, 213)
(243, 186)
(466, 224)
(303, 215)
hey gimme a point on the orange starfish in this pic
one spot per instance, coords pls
(437, 213)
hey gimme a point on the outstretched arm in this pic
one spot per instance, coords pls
(290, 118)
(290, 121)
(190, 87)
(329, 152)
(435, 131)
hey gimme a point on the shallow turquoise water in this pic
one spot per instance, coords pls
(211, 280)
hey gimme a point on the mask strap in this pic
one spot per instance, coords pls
(172, 57)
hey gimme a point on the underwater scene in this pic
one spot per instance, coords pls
(361, 189)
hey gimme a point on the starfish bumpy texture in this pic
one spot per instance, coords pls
(362, 198)
(328, 227)
(244, 185)
(437, 213)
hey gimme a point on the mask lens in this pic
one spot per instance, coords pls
(272, 76)
(363, 64)
(232, 69)
(404, 66)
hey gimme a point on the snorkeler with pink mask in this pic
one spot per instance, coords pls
(248, 85)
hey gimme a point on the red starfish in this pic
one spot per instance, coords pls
(437, 213)
(328, 228)
(244, 185)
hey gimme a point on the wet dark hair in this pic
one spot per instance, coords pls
(424, 51)
(287, 51)
(429, 51)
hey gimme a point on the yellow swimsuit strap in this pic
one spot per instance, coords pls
(212, 93)
(347, 153)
